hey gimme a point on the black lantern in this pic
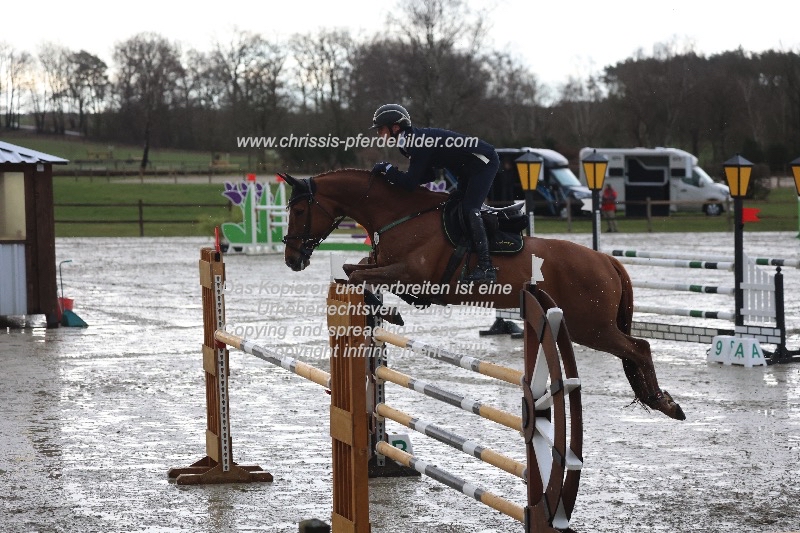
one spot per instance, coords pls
(737, 172)
(529, 166)
(594, 168)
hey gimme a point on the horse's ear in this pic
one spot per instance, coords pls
(293, 182)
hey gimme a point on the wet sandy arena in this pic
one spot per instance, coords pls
(94, 418)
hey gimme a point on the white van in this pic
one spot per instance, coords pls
(660, 174)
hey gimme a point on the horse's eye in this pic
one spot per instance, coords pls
(298, 211)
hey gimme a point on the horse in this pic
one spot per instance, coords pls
(410, 247)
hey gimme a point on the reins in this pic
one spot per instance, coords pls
(401, 220)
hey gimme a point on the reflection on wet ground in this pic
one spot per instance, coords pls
(95, 417)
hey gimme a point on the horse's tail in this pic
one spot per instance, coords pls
(625, 309)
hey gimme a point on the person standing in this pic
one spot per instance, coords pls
(608, 208)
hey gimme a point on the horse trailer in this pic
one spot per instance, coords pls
(663, 175)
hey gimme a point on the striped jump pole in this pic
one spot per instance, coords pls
(674, 311)
(685, 287)
(509, 375)
(763, 261)
(453, 440)
(517, 512)
(451, 398)
(311, 373)
(677, 263)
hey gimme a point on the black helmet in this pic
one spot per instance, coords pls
(389, 114)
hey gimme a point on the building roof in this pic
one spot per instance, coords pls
(11, 153)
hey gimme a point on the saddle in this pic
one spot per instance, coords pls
(504, 226)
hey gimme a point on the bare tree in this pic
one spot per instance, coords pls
(249, 71)
(15, 71)
(444, 41)
(512, 96)
(779, 79)
(55, 71)
(324, 67)
(88, 84)
(581, 102)
(648, 93)
(148, 67)
(5, 51)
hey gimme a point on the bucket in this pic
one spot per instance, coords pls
(64, 304)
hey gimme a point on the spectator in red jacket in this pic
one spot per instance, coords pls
(608, 207)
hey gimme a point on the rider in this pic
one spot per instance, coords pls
(473, 161)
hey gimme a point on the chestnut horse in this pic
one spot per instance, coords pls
(593, 289)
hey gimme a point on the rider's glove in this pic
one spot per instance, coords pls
(380, 169)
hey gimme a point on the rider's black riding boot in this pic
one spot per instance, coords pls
(484, 272)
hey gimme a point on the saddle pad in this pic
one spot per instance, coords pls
(500, 242)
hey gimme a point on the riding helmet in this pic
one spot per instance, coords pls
(389, 114)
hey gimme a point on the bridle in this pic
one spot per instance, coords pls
(308, 242)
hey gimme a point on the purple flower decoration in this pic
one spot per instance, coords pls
(232, 193)
(436, 186)
(237, 192)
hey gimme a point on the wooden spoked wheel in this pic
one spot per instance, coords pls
(552, 416)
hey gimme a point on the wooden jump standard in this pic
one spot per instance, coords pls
(547, 389)
(348, 420)
(217, 466)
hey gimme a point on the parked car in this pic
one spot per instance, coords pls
(557, 183)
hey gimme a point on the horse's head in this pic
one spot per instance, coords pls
(318, 204)
(310, 222)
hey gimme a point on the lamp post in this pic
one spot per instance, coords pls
(529, 166)
(594, 168)
(796, 173)
(737, 172)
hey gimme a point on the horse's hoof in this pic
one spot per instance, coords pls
(663, 402)
(673, 410)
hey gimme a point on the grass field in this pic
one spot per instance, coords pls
(77, 149)
(778, 213)
(193, 220)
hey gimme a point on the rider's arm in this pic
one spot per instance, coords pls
(419, 171)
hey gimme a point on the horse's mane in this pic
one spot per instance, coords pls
(419, 191)
(342, 171)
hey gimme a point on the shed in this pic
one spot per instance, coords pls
(28, 288)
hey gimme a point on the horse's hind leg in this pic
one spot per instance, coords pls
(637, 362)
(636, 379)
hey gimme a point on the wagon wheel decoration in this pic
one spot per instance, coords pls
(552, 416)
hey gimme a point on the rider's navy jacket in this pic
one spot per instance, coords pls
(434, 148)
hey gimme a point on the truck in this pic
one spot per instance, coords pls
(659, 174)
(557, 186)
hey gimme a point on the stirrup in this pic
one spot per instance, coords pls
(481, 275)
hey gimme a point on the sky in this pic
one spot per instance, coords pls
(555, 39)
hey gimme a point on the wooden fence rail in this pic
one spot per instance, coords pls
(140, 219)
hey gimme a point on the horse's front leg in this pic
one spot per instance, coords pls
(349, 268)
(394, 273)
